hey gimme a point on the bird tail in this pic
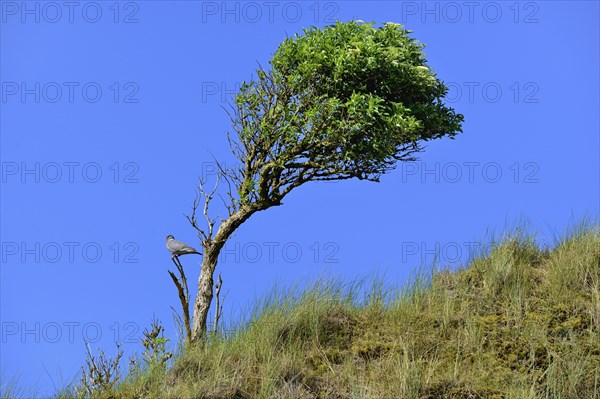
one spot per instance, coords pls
(191, 253)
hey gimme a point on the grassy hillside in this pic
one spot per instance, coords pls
(521, 322)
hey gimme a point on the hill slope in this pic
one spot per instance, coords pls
(520, 322)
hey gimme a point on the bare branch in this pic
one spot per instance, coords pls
(228, 176)
(194, 222)
(218, 304)
(208, 196)
(184, 296)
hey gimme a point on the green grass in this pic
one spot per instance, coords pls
(519, 322)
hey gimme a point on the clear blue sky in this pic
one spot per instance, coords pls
(111, 111)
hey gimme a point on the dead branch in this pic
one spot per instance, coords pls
(219, 303)
(184, 297)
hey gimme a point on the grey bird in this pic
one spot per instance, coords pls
(179, 248)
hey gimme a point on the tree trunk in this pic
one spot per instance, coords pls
(205, 292)
(212, 249)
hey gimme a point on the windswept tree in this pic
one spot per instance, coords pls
(347, 101)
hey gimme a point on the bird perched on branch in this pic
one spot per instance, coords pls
(179, 248)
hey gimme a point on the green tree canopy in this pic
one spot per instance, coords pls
(345, 101)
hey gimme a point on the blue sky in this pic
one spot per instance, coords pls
(110, 112)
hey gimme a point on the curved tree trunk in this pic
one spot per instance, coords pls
(212, 249)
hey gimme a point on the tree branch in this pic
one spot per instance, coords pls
(218, 304)
(184, 297)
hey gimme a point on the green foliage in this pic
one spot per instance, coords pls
(520, 322)
(345, 101)
(382, 67)
(155, 346)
